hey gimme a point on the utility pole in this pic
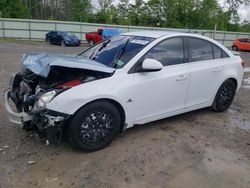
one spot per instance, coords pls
(215, 27)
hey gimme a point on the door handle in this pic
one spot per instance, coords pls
(181, 77)
(217, 69)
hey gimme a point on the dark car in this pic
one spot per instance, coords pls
(62, 38)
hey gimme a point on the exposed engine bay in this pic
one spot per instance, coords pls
(31, 91)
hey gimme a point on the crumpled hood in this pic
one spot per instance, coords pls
(41, 63)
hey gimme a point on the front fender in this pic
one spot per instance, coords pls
(71, 100)
(70, 103)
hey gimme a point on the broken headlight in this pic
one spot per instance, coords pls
(45, 99)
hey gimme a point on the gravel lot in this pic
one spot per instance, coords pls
(198, 149)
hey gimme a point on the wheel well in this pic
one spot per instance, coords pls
(235, 46)
(234, 81)
(117, 105)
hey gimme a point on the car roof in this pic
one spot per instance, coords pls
(159, 34)
(241, 38)
(60, 31)
(151, 34)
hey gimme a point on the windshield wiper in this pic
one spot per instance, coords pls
(93, 55)
(120, 53)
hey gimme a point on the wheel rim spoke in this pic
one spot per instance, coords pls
(96, 127)
(226, 96)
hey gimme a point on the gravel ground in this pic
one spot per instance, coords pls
(197, 149)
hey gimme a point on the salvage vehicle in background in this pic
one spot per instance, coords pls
(241, 44)
(129, 79)
(62, 38)
(101, 34)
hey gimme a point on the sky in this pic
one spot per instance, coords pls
(244, 13)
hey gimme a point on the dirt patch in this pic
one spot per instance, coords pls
(196, 149)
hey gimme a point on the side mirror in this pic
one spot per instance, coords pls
(150, 65)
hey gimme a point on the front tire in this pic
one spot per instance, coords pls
(63, 44)
(94, 126)
(224, 96)
(235, 48)
(48, 41)
(91, 42)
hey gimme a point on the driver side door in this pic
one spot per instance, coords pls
(161, 92)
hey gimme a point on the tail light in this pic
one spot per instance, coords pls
(69, 84)
(242, 63)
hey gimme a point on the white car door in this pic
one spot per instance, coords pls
(205, 68)
(164, 91)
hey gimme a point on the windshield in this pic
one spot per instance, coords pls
(67, 34)
(117, 51)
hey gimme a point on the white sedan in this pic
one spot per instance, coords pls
(132, 78)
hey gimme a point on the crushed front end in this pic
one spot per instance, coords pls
(43, 77)
(31, 112)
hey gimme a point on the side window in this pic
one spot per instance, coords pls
(199, 50)
(224, 54)
(168, 52)
(243, 40)
(217, 52)
(100, 32)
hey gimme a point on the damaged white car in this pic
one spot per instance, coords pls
(133, 78)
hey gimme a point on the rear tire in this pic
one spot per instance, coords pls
(94, 126)
(224, 96)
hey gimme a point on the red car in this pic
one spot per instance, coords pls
(101, 33)
(241, 44)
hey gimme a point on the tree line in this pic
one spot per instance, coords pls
(195, 14)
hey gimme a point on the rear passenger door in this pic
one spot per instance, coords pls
(204, 69)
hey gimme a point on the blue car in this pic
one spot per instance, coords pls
(62, 38)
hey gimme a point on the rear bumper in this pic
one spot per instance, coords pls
(14, 117)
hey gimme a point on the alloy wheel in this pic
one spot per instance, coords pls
(96, 127)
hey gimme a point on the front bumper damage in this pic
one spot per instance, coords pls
(14, 117)
(47, 123)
